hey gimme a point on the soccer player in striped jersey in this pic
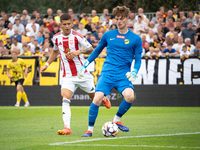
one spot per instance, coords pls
(67, 41)
(122, 47)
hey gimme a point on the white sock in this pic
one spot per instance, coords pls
(66, 112)
(18, 102)
(90, 128)
(116, 118)
(27, 102)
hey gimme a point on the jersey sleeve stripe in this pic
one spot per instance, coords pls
(71, 62)
(62, 66)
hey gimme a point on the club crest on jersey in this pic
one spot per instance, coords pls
(66, 51)
(71, 42)
(126, 41)
(120, 36)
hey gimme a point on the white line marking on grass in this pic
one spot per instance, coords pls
(31, 107)
(155, 146)
(123, 137)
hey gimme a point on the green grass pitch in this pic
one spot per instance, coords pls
(151, 128)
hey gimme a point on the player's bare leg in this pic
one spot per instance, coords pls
(66, 94)
(93, 112)
(128, 94)
(105, 101)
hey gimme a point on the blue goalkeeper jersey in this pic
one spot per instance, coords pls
(121, 49)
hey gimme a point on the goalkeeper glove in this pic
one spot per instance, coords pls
(132, 75)
(82, 70)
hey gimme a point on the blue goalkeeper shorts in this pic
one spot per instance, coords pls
(106, 83)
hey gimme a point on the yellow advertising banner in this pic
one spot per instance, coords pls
(98, 66)
(50, 76)
(5, 81)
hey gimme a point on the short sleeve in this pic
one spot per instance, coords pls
(55, 43)
(84, 42)
(165, 51)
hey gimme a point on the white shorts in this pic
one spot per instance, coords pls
(73, 82)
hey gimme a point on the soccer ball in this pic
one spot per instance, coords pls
(110, 129)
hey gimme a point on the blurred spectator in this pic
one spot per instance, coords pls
(55, 30)
(197, 20)
(16, 35)
(15, 44)
(156, 18)
(75, 25)
(103, 17)
(70, 11)
(167, 41)
(196, 51)
(18, 26)
(31, 43)
(170, 23)
(178, 26)
(13, 17)
(150, 36)
(34, 12)
(82, 30)
(34, 31)
(189, 33)
(194, 27)
(159, 22)
(162, 12)
(161, 39)
(198, 33)
(130, 26)
(169, 50)
(49, 14)
(176, 14)
(152, 27)
(88, 26)
(155, 41)
(164, 28)
(157, 52)
(39, 20)
(8, 44)
(190, 17)
(96, 32)
(27, 17)
(1, 51)
(3, 36)
(146, 47)
(183, 21)
(2, 14)
(182, 14)
(140, 13)
(132, 18)
(40, 39)
(2, 24)
(139, 26)
(10, 31)
(5, 53)
(190, 47)
(159, 29)
(51, 24)
(25, 51)
(184, 53)
(24, 21)
(171, 32)
(57, 18)
(108, 20)
(150, 53)
(84, 20)
(30, 28)
(178, 46)
(5, 17)
(23, 43)
(114, 26)
(95, 18)
(170, 15)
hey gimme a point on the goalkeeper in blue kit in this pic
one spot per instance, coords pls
(122, 47)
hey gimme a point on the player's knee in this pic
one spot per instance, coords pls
(129, 98)
(97, 101)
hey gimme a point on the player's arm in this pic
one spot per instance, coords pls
(83, 51)
(26, 70)
(133, 74)
(8, 74)
(52, 57)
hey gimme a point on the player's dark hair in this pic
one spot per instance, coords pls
(122, 11)
(65, 17)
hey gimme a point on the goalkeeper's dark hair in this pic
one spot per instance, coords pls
(65, 17)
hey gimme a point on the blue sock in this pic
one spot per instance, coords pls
(123, 108)
(93, 112)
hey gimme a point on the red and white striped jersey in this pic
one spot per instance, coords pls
(65, 44)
